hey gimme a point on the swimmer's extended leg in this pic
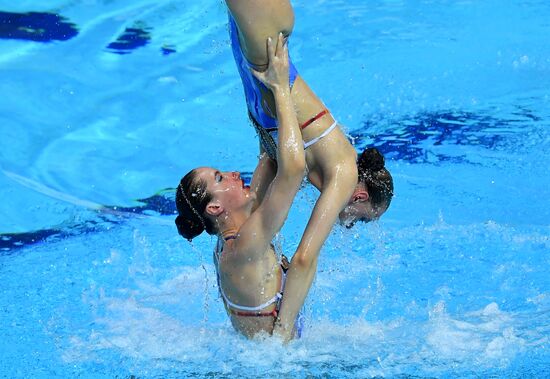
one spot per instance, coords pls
(257, 20)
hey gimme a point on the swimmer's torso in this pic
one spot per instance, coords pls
(331, 153)
(250, 282)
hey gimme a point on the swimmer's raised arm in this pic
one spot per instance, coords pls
(273, 210)
(263, 176)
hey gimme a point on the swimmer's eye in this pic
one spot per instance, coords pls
(218, 177)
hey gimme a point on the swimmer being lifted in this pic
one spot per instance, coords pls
(353, 188)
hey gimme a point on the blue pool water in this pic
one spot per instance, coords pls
(105, 104)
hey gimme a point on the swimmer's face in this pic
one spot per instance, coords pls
(360, 209)
(225, 187)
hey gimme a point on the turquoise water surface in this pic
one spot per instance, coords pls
(104, 106)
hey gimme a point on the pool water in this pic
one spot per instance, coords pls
(106, 104)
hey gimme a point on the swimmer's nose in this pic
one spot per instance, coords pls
(236, 175)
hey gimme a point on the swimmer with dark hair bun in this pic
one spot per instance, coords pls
(352, 188)
(374, 190)
(192, 197)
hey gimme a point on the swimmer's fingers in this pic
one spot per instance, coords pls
(261, 76)
(271, 49)
(276, 74)
(282, 48)
(281, 56)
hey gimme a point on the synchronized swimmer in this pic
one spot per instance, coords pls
(352, 187)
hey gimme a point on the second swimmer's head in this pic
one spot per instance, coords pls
(374, 190)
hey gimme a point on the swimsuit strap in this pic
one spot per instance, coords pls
(275, 298)
(218, 251)
(324, 134)
(314, 118)
(273, 313)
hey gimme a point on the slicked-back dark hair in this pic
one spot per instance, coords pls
(191, 201)
(376, 178)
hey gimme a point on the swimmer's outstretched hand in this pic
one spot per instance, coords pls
(276, 76)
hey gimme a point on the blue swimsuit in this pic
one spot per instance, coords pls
(265, 124)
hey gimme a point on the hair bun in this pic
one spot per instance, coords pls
(371, 159)
(187, 228)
